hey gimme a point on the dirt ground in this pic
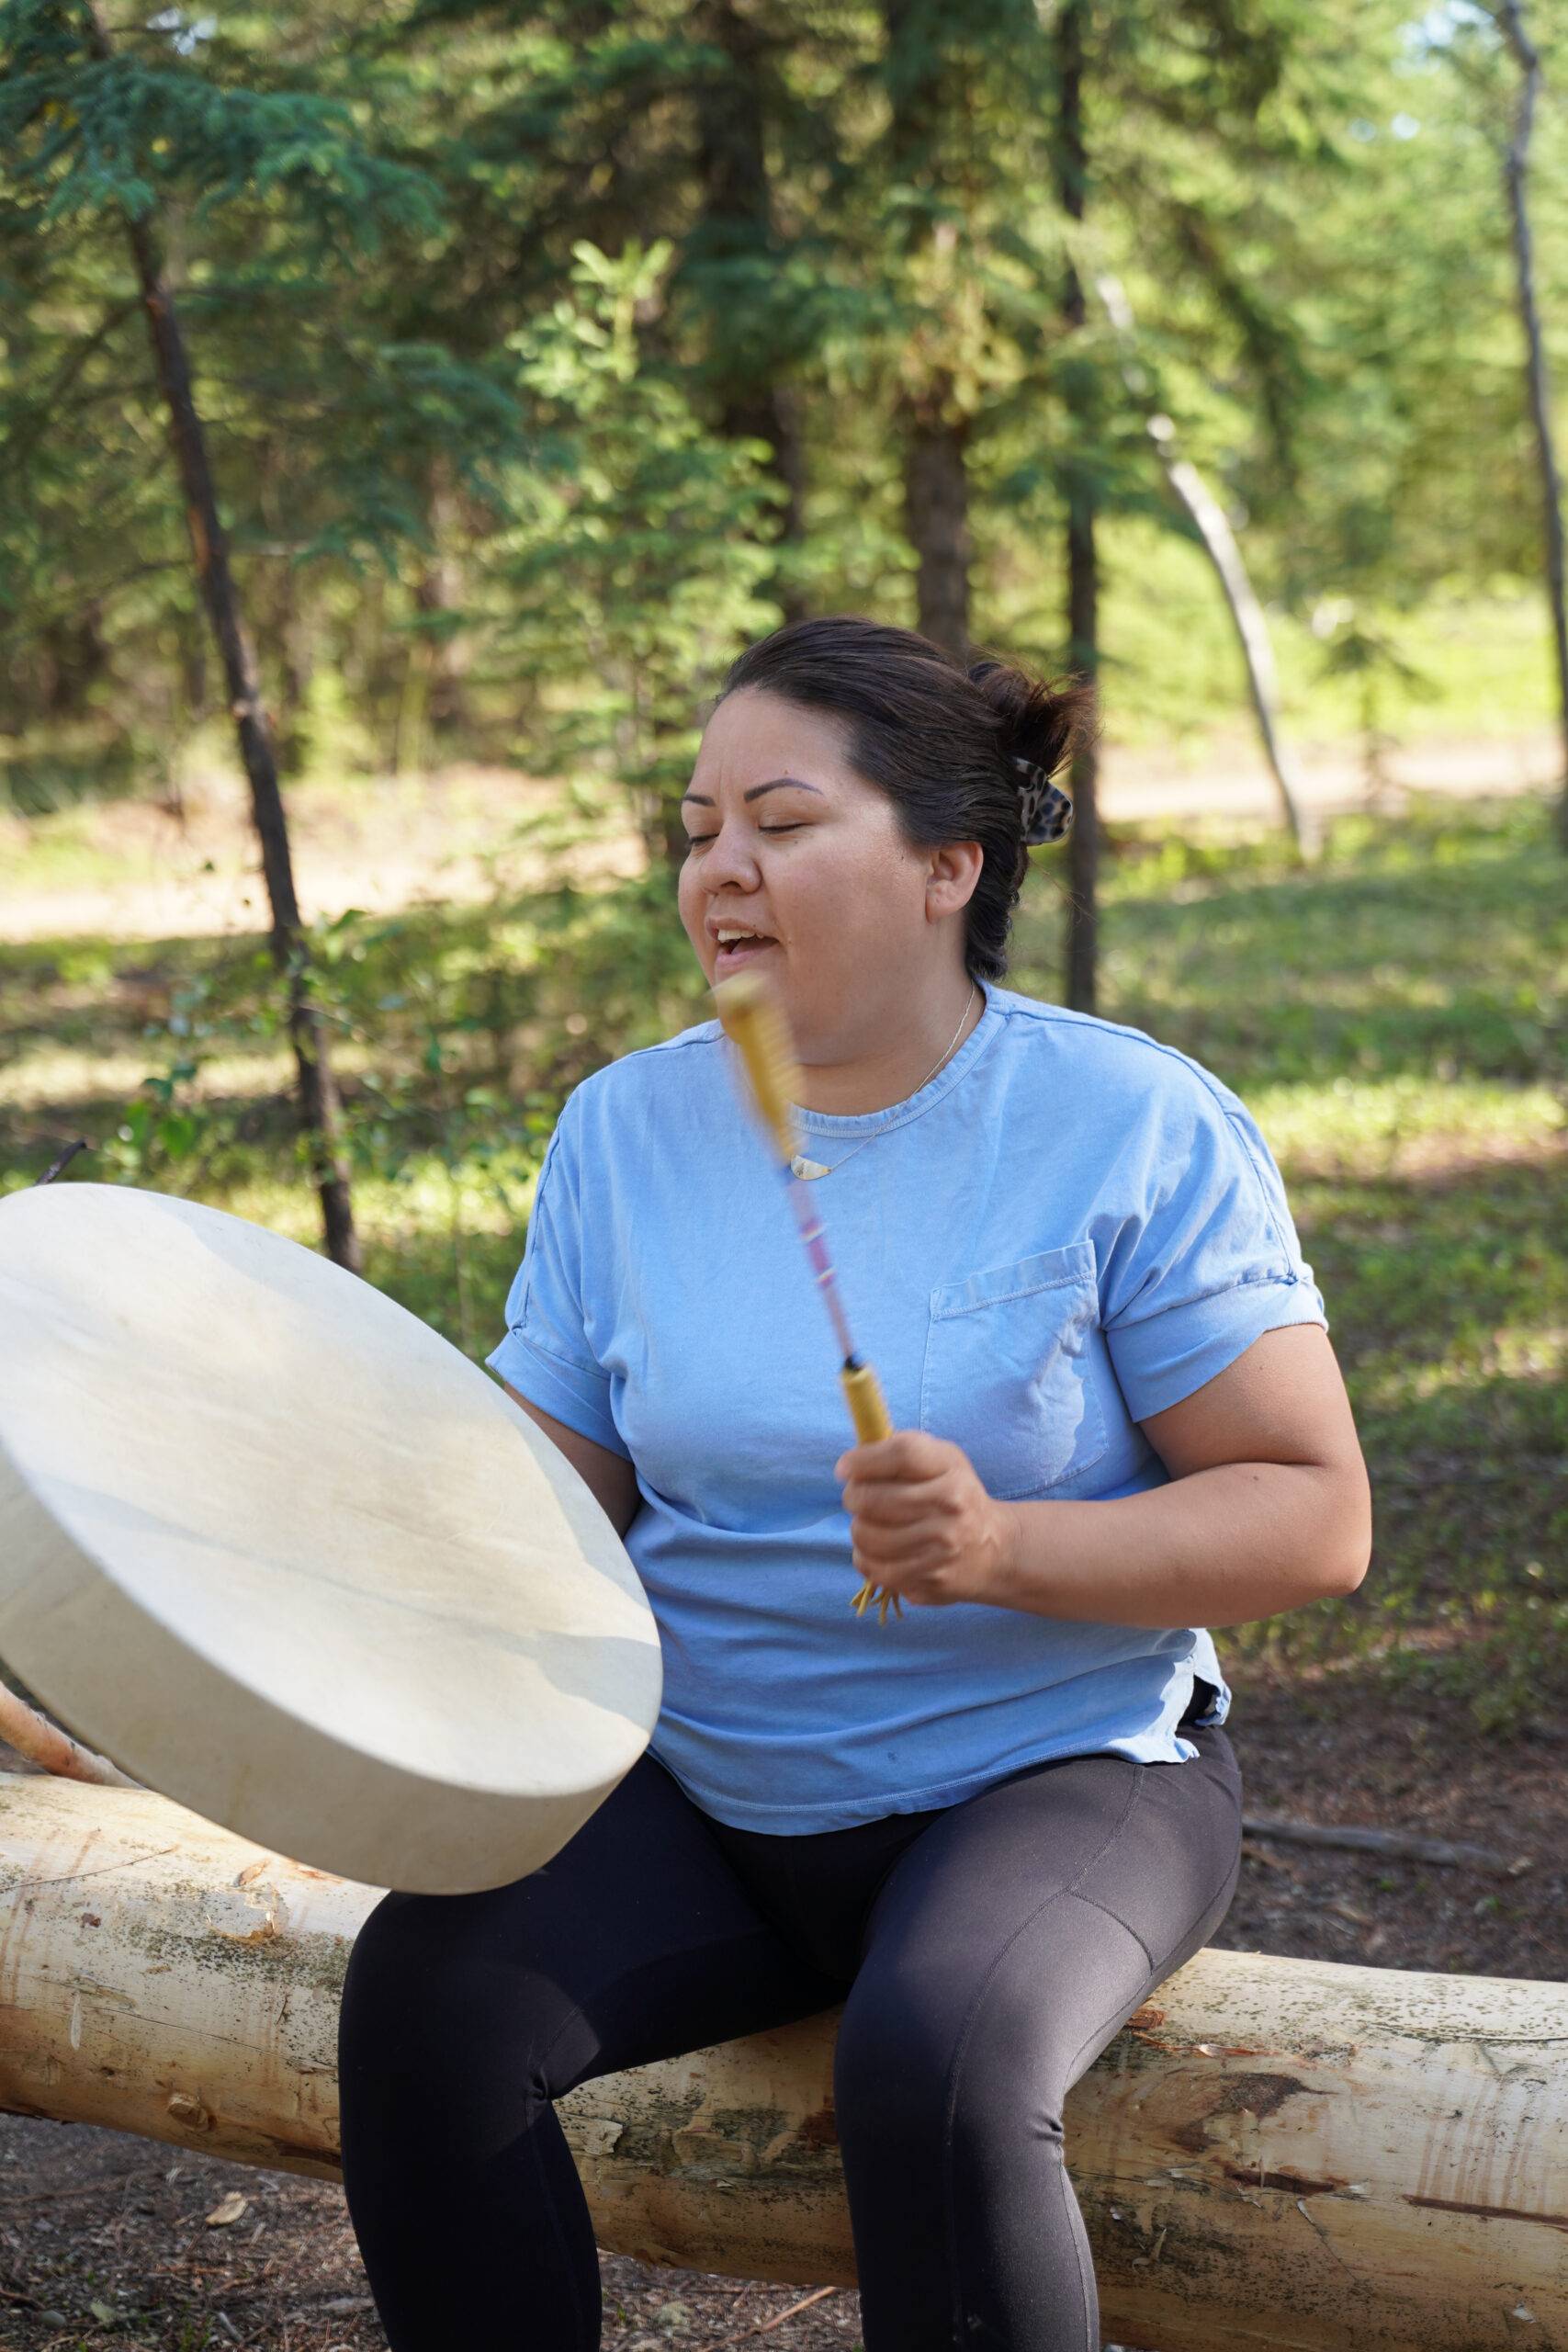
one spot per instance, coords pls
(105, 2238)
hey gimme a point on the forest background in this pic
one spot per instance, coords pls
(511, 367)
(407, 412)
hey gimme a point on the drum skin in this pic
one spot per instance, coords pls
(285, 1554)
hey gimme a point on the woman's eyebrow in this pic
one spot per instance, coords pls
(756, 788)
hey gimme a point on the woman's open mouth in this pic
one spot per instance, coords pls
(733, 953)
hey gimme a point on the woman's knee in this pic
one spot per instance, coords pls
(403, 1945)
(435, 1987)
(995, 2047)
(898, 2041)
(394, 1991)
(978, 2086)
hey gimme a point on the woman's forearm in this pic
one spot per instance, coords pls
(1223, 1546)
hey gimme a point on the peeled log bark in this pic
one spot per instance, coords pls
(158, 1974)
(1275, 2152)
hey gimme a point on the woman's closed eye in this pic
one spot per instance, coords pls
(695, 841)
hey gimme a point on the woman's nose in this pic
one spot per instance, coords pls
(726, 853)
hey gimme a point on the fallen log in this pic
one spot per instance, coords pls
(1275, 2152)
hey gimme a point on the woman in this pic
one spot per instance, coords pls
(993, 1824)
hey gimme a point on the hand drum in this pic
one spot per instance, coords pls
(282, 1552)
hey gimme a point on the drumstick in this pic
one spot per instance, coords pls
(752, 1019)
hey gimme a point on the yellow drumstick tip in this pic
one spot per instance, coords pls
(752, 1019)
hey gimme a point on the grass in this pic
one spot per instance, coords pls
(1396, 1016)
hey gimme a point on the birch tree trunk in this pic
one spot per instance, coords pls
(1219, 545)
(1272, 2154)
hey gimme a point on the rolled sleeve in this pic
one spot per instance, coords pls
(544, 1354)
(1212, 1263)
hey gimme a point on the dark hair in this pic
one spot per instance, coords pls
(937, 738)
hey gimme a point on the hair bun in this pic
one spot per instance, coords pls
(1040, 726)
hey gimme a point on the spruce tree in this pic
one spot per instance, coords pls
(110, 138)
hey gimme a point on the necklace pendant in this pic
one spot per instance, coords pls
(801, 1166)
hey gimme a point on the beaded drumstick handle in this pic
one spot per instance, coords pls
(752, 1019)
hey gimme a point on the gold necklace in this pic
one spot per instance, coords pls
(801, 1166)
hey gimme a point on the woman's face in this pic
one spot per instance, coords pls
(816, 863)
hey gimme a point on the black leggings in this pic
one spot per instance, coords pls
(985, 1952)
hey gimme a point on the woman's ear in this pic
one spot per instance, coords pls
(955, 875)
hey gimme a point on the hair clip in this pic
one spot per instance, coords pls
(1047, 813)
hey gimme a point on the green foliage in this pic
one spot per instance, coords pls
(286, 226)
(376, 225)
(634, 540)
(93, 134)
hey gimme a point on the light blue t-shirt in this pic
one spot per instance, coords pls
(1070, 1227)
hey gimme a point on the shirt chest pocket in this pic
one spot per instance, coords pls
(1007, 1372)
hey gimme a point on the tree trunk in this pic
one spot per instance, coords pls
(936, 517)
(1219, 544)
(294, 636)
(319, 1117)
(737, 217)
(1510, 16)
(1082, 973)
(771, 412)
(1245, 612)
(1271, 2152)
(927, 95)
(438, 590)
(76, 655)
